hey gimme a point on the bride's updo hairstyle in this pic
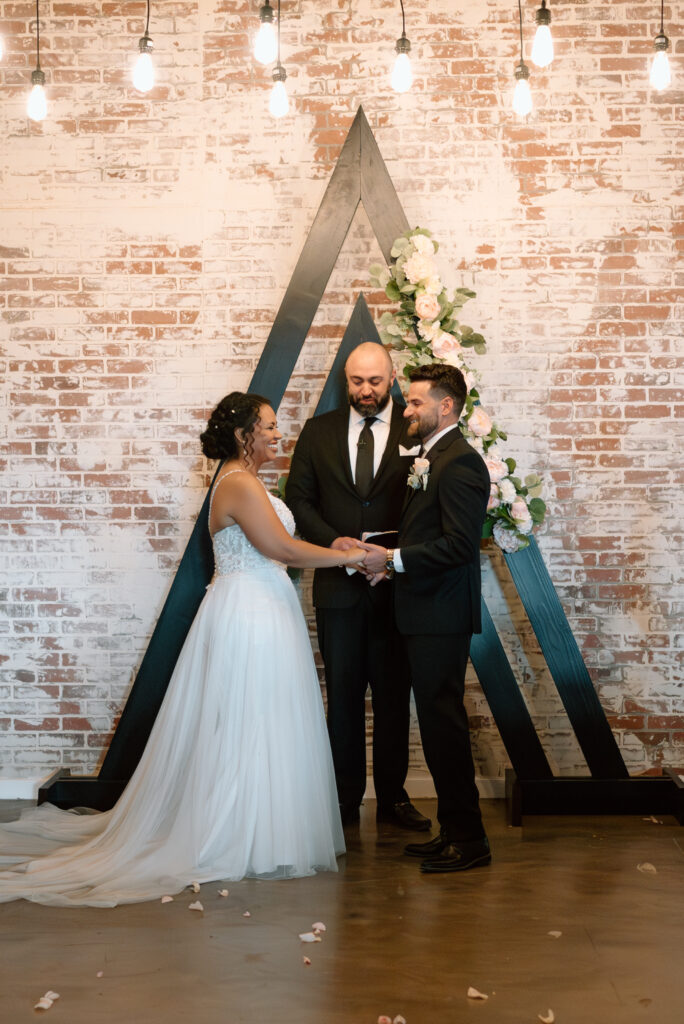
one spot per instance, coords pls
(237, 411)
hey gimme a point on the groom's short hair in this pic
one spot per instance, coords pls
(448, 380)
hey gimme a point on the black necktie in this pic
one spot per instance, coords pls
(364, 458)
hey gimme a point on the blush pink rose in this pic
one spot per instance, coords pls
(519, 509)
(445, 346)
(494, 500)
(479, 422)
(427, 307)
(497, 469)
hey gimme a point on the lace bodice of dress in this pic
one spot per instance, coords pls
(234, 553)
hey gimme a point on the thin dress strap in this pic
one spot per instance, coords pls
(215, 488)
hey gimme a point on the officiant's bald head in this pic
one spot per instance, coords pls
(370, 375)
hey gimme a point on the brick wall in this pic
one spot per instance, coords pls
(146, 243)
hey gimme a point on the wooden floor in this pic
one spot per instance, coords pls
(397, 942)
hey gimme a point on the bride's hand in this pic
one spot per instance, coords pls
(355, 557)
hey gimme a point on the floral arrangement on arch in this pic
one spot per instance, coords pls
(426, 328)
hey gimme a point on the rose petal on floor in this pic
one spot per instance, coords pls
(399, 1020)
(100, 974)
(549, 1018)
(555, 935)
(167, 899)
(196, 906)
(195, 886)
(310, 937)
(46, 1001)
(318, 927)
(648, 869)
(383, 1019)
(474, 994)
(306, 961)
(223, 892)
(246, 914)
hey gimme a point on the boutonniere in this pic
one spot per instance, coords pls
(418, 476)
(408, 451)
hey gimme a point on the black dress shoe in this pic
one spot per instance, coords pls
(350, 814)
(405, 815)
(458, 856)
(429, 849)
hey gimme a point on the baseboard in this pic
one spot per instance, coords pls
(22, 787)
(421, 787)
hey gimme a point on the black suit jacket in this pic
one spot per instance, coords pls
(439, 538)
(325, 503)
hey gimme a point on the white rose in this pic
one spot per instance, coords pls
(418, 268)
(428, 331)
(495, 451)
(445, 346)
(479, 422)
(433, 285)
(497, 469)
(476, 443)
(507, 488)
(421, 466)
(427, 307)
(424, 245)
(469, 379)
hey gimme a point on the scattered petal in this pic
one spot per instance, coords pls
(246, 914)
(223, 892)
(100, 974)
(383, 1019)
(548, 1019)
(306, 961)
(196, 906)
(648, 869)
(195, 886)
(652, 818)
(474, 994)
(318, 927)
(310, 937)
(399, 1020)
(46, 1001)
(167, 899)
(555, 935)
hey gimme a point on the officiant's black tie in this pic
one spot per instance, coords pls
(365, 453)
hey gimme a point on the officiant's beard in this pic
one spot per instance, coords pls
(372, 406)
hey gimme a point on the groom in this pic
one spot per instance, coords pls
(348, 476)
(437, 605)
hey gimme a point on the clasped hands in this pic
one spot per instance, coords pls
(373, 565)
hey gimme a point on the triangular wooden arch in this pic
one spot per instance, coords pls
(360, 175)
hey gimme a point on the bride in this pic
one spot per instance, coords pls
(236, 779)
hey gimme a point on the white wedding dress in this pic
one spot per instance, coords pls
(236, 779)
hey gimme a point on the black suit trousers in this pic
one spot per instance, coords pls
(438, 665)
(360, 647)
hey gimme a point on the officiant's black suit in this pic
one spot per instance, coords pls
(356, 632)
(437, 608)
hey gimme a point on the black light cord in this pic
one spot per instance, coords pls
(37, 37)
(403, 19)
(521, 38)
(147, 23)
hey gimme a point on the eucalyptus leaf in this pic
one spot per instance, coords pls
(511, 464)
(392, 291)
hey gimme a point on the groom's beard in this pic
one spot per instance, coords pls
(371, 408)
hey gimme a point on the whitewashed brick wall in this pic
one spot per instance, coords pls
(146, 244)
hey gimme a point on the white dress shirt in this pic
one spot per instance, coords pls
(380, 428)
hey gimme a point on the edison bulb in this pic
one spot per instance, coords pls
(542, 48)
(402, 75)
(522, 98)
(36, 105)
(660, 71)
(265, 44)
(278, 104)
(143, 73)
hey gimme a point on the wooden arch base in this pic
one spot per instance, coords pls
(361, 176)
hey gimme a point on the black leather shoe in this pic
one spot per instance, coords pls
(458, 856)
(405, 815)
(350, 814)
(429, 849)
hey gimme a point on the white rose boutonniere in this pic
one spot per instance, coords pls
(418, 476)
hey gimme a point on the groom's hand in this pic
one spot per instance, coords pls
(374, 562)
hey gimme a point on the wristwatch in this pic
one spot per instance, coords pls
(389, 562)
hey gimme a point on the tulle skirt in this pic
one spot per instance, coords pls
(236, 779)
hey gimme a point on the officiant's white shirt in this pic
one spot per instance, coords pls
(380, 428)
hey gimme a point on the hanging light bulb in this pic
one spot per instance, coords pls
(265, 44)
(36, 105)
(522, 97)
(660, 68)
(143, 72)
(542, 47)
(402, 75)
(279, 104)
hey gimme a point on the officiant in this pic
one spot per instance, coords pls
(347, 479)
